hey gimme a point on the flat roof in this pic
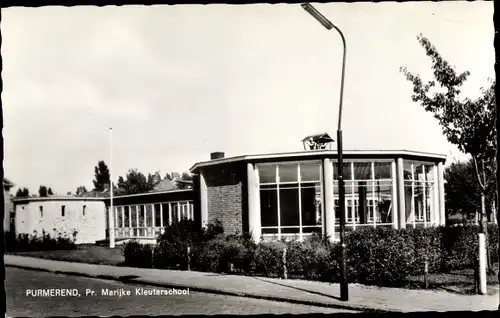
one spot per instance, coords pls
(55, 198)
(75, 198)
(322, 153)
(148, 193)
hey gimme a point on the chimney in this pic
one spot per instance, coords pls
(216, 155)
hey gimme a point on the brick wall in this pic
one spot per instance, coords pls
(226, 196)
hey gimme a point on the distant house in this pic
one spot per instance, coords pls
(62, 214)
(7, 185)
(176, 182)
(164, 185)
(183, 184)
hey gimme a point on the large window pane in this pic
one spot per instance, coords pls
(362, 170)
(119, 218)
(407, 172)
(311, 204)
(408, 202)
(383, 200)
(141, 215)
(429, 192)
(429, 172)
(383, 170)
(419, 204)
(270, 231)
(349, 189)
(346, 170)
(269, 207)
(267, 173)
(418, 170)
(149, 215)
(127, 216)
(289, 207)
(175, 212)
(133, 215)
(185, 211)
(288, 173)
(310, 172)
(164, 207)
(351, 209)
(364, 193)
(157, 214)
(293, 230)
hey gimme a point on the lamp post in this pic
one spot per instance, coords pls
(111, 214)
(344, 292)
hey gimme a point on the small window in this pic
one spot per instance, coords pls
(41, 211)
(63, 210)
(84, 209)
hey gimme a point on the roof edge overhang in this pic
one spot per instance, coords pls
(322, 153)
(148, 193)
(38, 199)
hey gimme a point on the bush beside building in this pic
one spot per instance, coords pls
(380, 256)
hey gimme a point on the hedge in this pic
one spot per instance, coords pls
(36, 242)
(380, 256)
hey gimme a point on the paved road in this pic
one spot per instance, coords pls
(19, 282)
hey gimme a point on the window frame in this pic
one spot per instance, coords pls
(276, 186)
(350, 194)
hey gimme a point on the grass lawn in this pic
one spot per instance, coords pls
(458, 281)
(85, 253)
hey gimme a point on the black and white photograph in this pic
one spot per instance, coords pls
(257, 158)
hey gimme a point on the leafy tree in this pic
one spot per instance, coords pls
(42, 191)
(135, 182)
(24, 192)
(49, 191)
(187, 176)
(80, 190)
(468, 124)
(462, 191)
(154, 179)
(101, 174)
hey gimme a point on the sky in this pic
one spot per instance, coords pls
(178, 82)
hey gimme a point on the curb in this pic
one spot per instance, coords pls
(140, 281)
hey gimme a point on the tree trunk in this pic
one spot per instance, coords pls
(484, 229)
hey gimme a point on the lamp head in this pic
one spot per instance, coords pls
(317, 15)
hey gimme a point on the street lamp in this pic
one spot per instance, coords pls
(344, 293)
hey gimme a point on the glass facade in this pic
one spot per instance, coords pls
(149, 220)
(419, 193)
(290, 198)
(368, 193)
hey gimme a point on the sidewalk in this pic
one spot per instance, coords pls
(363, 298)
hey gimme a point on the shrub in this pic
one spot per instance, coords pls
(460, 245)
(267, 258)
(313, 258)
(171, 250)
(35, 242)
(426, 247)
(381, 256)
(138, 255)
(220, 252)
(493, 242)
(378, 256)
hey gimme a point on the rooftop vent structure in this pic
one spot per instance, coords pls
(216, 155)
(317, 142)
